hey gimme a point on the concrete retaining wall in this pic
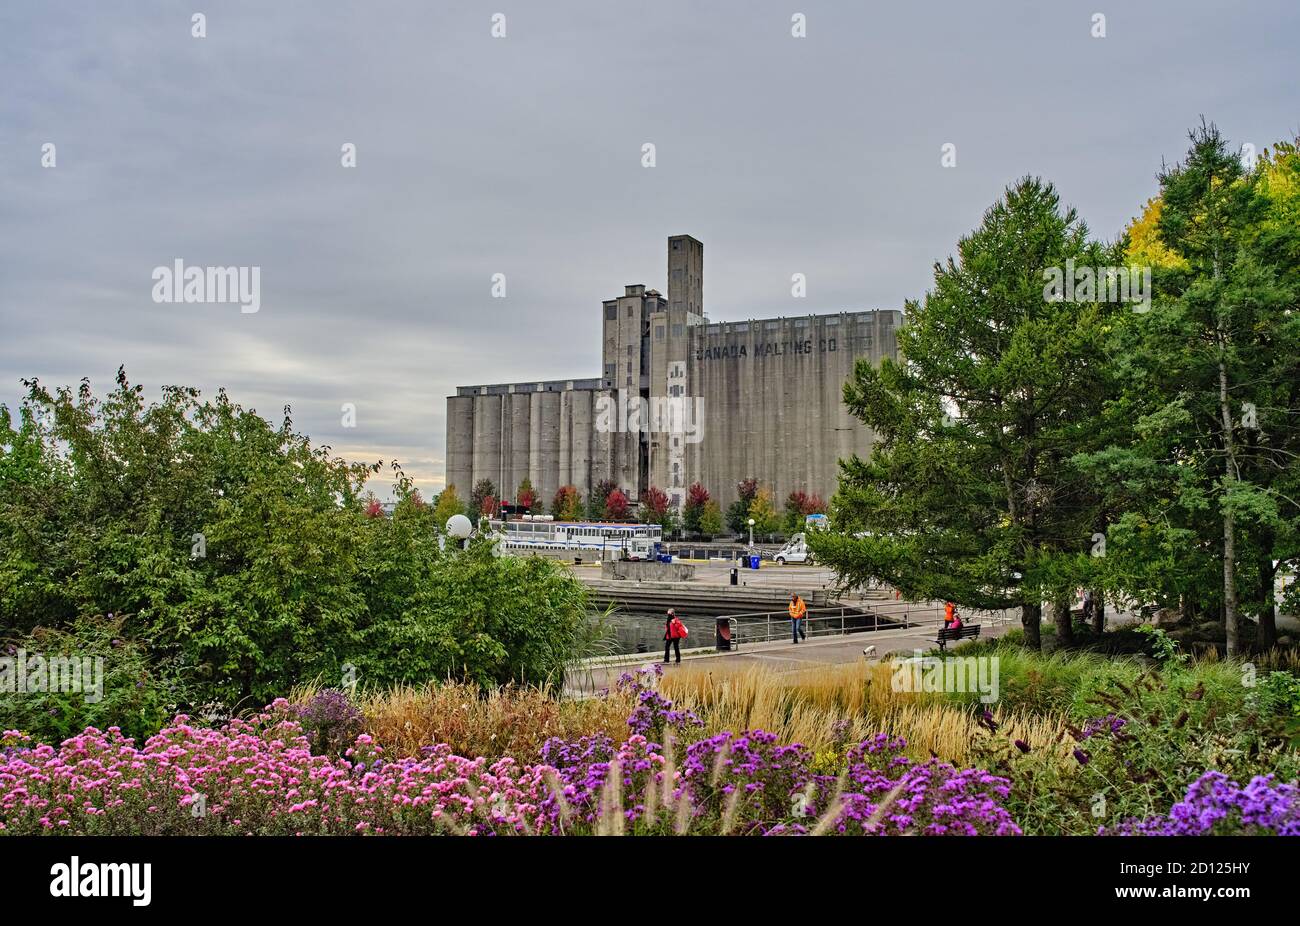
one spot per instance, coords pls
(648, 572)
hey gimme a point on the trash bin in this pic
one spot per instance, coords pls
(753, 561)
(735, 576)
(722, 634)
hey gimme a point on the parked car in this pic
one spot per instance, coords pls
(795, 551)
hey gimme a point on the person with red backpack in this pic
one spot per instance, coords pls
(674, 632)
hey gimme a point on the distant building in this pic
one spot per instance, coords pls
(680, 400)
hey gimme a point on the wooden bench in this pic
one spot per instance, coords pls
(961, 633)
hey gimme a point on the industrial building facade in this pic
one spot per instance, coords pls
(680, 400)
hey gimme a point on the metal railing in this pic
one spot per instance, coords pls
(766, 626)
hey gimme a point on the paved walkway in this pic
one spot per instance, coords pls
(784, 656)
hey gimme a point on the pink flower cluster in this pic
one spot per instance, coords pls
(257, 776)
(260, 776)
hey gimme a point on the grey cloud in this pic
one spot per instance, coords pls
(521, 156)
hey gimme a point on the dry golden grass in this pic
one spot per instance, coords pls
(804, 707)
(1273, 660)
(508, 721)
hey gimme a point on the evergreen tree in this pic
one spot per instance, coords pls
(1204, 480)
(738, 512)
(485, 491)
(599, 498)
(968, 495)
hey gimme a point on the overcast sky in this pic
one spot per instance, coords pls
(522, 156)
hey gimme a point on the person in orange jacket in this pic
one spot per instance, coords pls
(798, 611)
(951, 620)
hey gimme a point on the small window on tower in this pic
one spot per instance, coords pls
(659, 332)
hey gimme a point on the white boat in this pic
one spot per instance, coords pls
(602, 539)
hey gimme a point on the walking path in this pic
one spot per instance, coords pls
(837, 649)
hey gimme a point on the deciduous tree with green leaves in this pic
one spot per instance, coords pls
(1205, 479)
(238, 559)
(448, 504)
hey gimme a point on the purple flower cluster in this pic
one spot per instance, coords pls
(1216, 805)
(330, 721)
(773, 781)
(1111, 724)
(654, 715)
(892, 795)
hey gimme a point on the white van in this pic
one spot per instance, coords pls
(796, 551)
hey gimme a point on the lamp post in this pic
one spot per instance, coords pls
(458, 526)
(751, 535)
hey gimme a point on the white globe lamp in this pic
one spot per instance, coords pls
(458, 526)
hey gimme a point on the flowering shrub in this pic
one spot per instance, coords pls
(893, 795)
(654, 715)
(256, 776)
(261, 776)
(748, 781)
(1158, 732)
(330, 721)
(1216, 805)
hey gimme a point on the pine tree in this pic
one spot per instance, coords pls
(1206, 476)
(968, 495)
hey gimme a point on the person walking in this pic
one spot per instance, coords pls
(674, 630)
(798, 611)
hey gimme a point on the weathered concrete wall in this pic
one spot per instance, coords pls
(771, 390)
(549, 479)
(521, 440)
(647, 571)
(487, 441)
(772, 408)
(773, 404)
(460, 444)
